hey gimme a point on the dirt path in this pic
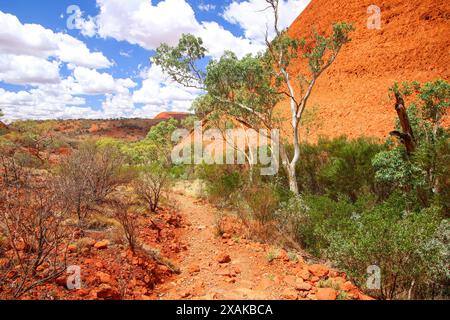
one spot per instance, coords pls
(247, 275)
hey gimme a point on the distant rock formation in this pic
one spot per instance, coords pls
(172, 115)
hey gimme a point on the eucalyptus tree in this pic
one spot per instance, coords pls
(249, 88)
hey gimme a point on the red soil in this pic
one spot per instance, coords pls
(351, 97)
(233, 267)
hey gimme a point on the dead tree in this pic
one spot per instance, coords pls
(407, 135)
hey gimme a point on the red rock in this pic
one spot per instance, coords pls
(147, 279)
(3, 262)
(106, 292)
(303, 294)
(289, 294)
(326, 294)
(318, 270)
(348, 286)
(223, 258)
(104, 277)
(290, 280)
(302, 286)
(101, 245)
(333, 274)
(230, 280)
(283, 256)
(194, 268)
(83, 292)
(226, 236)
(338, 281)
(224, 272)
(236, 269)
(174, 248)
(264, 284)
(304, 274)
(62, 281)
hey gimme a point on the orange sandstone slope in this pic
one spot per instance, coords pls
(351, 98)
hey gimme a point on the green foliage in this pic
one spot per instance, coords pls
(338, 167)
(241, 88)
(435, 98)
(189, 122)
(404, 245)
(262, 200)
(423, 176)
(394, 170)
(407, 246)
(156, 147)
(161, 133)
(222, 182)
(308, 218)
(316, 56)
(180, 62)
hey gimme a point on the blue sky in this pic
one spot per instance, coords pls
(91, 58)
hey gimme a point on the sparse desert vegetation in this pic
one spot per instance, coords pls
(354, 206)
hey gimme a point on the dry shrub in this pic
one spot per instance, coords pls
(150, 186)
(128, 222)
(13, 171)
(101, 222)
(89, 176)
(32, 222)
(262, 202)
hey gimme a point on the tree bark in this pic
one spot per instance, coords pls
(290, 168)
(407, 136)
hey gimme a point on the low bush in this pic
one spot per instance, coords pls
(152, 182)
(411, 248)
(89, 176)
(222, 183)
(338, 167)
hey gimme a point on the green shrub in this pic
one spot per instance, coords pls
(222, 182)
(262, 200)
(338, 167)
(410, 247)
(309, 218)
(406, 246)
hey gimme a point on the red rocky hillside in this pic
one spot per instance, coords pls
(351, 97)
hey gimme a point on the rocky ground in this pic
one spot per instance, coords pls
(192, 262)
(231, 267)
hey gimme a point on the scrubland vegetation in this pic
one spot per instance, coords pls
(354, 203)
(55, 189)
(361, 202)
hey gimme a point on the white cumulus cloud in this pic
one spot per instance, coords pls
(20, 69)
(255, 18)
(35, 40)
